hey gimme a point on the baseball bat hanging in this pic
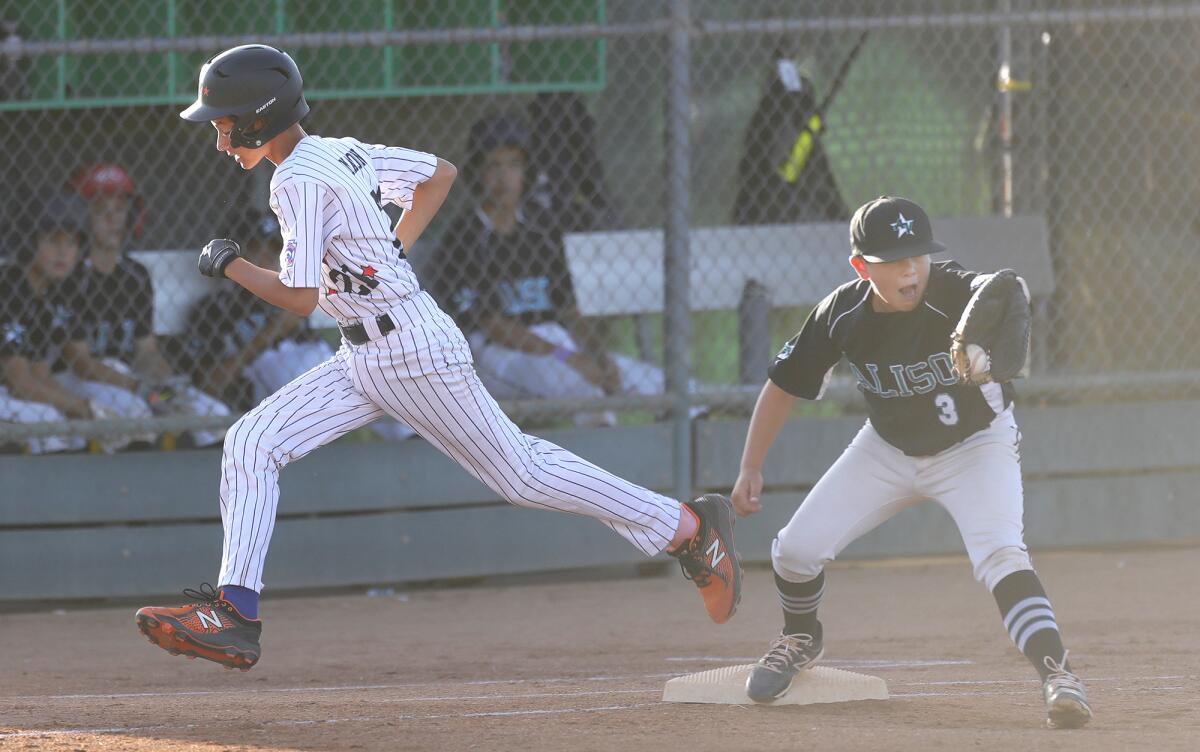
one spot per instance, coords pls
(803, 146)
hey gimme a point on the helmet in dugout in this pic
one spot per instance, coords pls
(250, 83)
(110, 179)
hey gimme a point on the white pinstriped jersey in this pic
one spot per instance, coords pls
(328, 195)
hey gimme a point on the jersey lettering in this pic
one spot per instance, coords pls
(353, 161)
(884, 393)
(943, 367)
(918, 378)
(356, 283)
(898, 375)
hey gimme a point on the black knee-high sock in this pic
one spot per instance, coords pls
(800, 602)
(1029, 619)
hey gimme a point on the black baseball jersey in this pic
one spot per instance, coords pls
(901, 361)
(522, 275)
(32, 326)
(115, 310)
(222, 324)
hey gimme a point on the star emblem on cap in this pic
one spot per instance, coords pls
(903, 227)
(204, 92)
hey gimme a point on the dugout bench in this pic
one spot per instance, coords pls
(753, 268)
(744, 268)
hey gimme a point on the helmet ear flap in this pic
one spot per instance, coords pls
(243, 133)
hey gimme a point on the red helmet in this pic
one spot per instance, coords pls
(110, 179)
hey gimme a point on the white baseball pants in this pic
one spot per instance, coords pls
(13, 410)
(977, 481)
(274, 368)
(420, 374)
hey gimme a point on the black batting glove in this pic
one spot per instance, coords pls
(217, 255)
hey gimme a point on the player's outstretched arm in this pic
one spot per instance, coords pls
(427, 199)
(770, 413)
(265, 284)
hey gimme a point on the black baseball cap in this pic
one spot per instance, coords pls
(890, 228)
(60, 211)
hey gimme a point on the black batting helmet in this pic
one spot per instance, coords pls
(247, 83)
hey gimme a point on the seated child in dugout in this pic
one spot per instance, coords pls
(935, 431)
(34, 325)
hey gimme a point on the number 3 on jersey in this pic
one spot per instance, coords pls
(947, 410)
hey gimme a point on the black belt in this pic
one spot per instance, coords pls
(357, 333)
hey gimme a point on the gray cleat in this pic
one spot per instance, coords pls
(773, 675)
(1066, 699)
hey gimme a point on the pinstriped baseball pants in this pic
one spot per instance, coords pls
(423, 375)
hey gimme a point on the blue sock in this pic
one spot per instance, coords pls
(243, 599)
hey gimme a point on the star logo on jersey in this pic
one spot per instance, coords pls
(368, 271)
(903, 227)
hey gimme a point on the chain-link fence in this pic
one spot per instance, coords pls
(663, 189)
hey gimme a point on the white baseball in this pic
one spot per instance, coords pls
(980, 362)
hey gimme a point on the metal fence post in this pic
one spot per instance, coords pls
(676, 292)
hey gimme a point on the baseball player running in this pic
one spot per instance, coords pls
(940, 427)
(400, 356)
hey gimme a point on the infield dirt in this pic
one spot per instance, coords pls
(580, 666)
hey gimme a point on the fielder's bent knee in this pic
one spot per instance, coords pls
(795, 564)
(1001, 563)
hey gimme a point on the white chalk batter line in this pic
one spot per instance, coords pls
(854, 663)
(913, 695)
(495, 714)
(1087, 680)
(492, 682)
(442, 716)
(522, 696)
(342, 688)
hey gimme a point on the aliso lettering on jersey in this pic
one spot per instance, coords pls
(907, 380)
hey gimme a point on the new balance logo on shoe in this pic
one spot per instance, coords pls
(710, 560)
(209, 619)
(211, 629)
(716, 553)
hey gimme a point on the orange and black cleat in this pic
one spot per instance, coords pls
(211, 629)
(709, 559)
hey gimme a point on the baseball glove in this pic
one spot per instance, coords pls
(997, 318)
(216, 255)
